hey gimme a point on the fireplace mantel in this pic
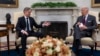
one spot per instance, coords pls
(57, 8)
(75, 11)
(68, 14)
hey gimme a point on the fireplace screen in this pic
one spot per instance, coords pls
(57, 29)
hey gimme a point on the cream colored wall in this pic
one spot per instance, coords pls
(28, 3)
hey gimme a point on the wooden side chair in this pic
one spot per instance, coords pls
(4, 31)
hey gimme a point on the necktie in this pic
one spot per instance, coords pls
(27, 25)
(83, 21)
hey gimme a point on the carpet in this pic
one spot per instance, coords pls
(83, 52)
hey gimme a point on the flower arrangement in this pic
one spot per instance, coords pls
(48, 47)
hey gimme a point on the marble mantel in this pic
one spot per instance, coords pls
(75, 10)
(58, 8)
(68, 14)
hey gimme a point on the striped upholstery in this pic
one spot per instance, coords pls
(30, 40)
(84, 40)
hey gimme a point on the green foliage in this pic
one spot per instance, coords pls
(70, 4)
(38, 5)
(52, 4)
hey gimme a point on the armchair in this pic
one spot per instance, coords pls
(30, 39)
(91, 42)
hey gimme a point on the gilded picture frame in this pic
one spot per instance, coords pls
(9, 3)
(95, 3)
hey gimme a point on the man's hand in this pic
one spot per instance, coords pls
(83, 27)
(78, 23)
(24, 32)
(46, 23)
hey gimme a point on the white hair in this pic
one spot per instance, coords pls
(85, 8)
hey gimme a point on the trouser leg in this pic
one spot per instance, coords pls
(37, 34)
(23, 43)
(77, 38)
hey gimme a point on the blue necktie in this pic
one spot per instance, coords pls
(27, 25)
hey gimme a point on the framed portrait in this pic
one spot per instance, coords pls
(9, 3)
(95, 3)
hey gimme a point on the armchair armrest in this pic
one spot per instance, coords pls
(94, 34)
(71, 32)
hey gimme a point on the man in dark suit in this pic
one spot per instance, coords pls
(83, 27)
(25, 28)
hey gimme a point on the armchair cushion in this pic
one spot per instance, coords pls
(84, 40)
(30, 40)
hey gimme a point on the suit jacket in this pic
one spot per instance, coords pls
(21, 24)
(90, 23)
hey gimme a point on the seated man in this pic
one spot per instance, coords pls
(25, 27)
(83, 27)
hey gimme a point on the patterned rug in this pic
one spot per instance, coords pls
(3, 45)
(3, 48)
(83, 52)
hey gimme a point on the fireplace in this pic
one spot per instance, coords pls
(68, 15)
(57, 29)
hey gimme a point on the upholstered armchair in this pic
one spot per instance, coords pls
(30, 39)
(88, 41)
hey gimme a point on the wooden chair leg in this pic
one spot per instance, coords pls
(92, 48)
(95, 46)
(17, 48)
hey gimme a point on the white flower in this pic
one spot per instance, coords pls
(47, 44)
(50, 44)
(55, 39)
(29, 46)
(49, 40)
(49, 51)
(59, 42)
(37, 41)
(57, 49)
(36, 54)
(37, 50)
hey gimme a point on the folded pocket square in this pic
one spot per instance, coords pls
(89, 21)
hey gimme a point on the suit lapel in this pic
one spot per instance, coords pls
(87, 20)
(81, 19)
(24, 21)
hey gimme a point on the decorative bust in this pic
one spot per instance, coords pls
(8, 18)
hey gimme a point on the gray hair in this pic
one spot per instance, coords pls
(26, 9)
(85, 8)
